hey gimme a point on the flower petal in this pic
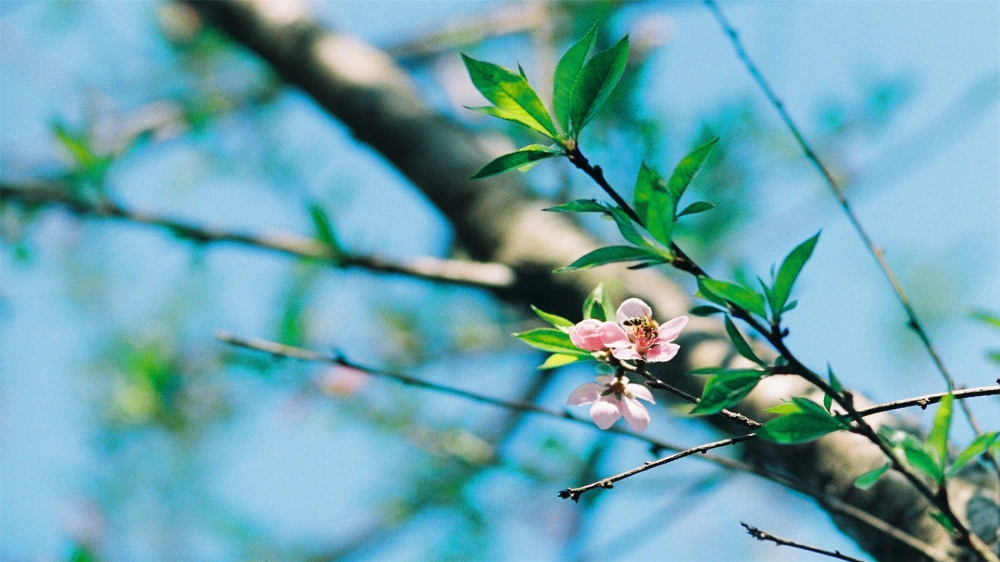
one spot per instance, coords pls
(627, 354)
(661, 352)
(605, 412)
(635, 414)
(672, 329)
(640, 391)
(605, 379)
(613, 336)
(587, 335)
(584, 394)
(633, 307)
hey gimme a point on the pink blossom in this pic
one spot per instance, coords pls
(638, 337)
(587, 335)
(612, 399)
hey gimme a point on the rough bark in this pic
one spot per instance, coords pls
(498, 220)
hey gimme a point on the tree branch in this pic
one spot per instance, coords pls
(762, 536)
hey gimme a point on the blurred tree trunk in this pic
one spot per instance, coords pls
(497, 219)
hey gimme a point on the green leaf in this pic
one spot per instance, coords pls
(943, 520)
(520, 159)
(324, 230)
(724, 390)
(660, 219)
(598, 305)
(594, 84)
(549, 339)
(567, 72)
(705, 310)
(986, 318)
(687, 168)
(784, 409)
(626, 227)
(868, 479)
(736, 294)
(695, 208)
(828, 402)
(560, 359)
(937, 441)
(799, 427)
(511, 95)
(557, 321)
(789, 271)
(580, 206)
(978, 446)
(740, 343)
(649, 190)
(77, 144)
(920, 460)
(611, 254)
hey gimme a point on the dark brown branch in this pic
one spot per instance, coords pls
(476, 274)
(762, 536)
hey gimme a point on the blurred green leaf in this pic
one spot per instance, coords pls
(725, 389)
(789, 272)
(521, 159)
(938, 439)
(978, 446)
(986, 318)
(593, 86)
(567, 72)
(943, 520)
(512, 97)
(868, 479)
(324, 230)
(705, 310)
(685, 171)
(598, 305)
(612, 254)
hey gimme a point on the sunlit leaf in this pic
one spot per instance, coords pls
(868, 479)
(549, 339)
(559, 360)
(725, 389)
(611, 254)
(938, 438)
(555, 320)
(789, 272)
(737, 294)
(799, 427)
(596, 81)
(512, 97)
(685, 171)
(918, 457)
(566, 74)
(580, 206)
(520, 159)
(978, 446)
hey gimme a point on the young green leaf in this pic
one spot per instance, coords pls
(560, 359)
(695, 208)
(511, 95)
(598, 305)
(324, 230)
(567, 72)
(580, 206)
(789, 271)
(920, 460)
(736, 294)
(557, 321)
(799, 427)
(549, 339)
(520, 159)
(740, 343)
(660, 218)
(724, 390)
(594, 84)
(868, 479)
(978, 446)
(687, 168)
(626, 227)
(784, 409)
(611, 254)
(937, 441)
(650, 189)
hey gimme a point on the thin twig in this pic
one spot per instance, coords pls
(829, 502)
(476, 274)
(763, 536)
(912, 320)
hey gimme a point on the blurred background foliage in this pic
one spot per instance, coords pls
(130, 434)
